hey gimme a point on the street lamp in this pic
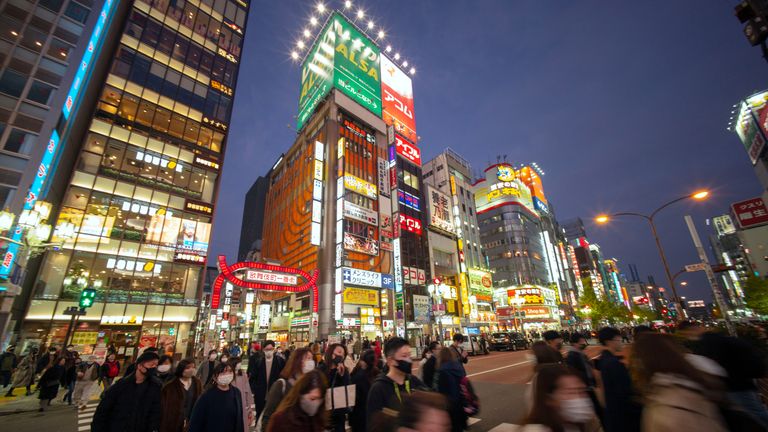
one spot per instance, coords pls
(699, 195)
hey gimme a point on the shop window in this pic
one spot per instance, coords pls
(12, 83)
(161, 5)
(182, 179)
(191, 131)
(33, 39)
(176, 10)
(151, 33)
(111, 96)
(198, 177)
(205, 137)
(214, 29)
(156, 77)
(206, 62)
(20, 141)
(40, 92)
(218, 138)
(188, 19)
(52, 273)
(113, 155)
(89, 162)
(136, 24)
(59, 50)
(180, 49)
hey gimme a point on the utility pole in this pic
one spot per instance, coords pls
(719, 299)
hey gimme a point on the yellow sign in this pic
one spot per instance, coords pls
(318, 170)
(84, 338)
(361, 296)
(358, 185)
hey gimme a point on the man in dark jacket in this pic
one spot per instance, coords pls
(577, 360)
(133, 403)
(622, 412)
(263, 373)
(385, 399)
(430, 366)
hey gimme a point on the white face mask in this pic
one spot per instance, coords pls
(212, 357)
(308, 366)
(163, 368)
(577, 410)
(225, 379)
(224, 359)
(310, 406)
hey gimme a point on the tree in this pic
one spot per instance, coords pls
(756, 294)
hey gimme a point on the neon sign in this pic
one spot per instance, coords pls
(410, 224)
(407, 150)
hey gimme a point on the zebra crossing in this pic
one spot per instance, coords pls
(85, 416)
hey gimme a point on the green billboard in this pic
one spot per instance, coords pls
(344, 58)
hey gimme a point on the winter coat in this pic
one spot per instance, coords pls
(292, 419)
(257, 373)
(383, 405)
(242, 384)
(622, 412)
(274, 397)
(128, 406)
(87, 372)
(428, 372)
(109, 369)
(362, 384)
(25, 372)
(448, 383)
(207, 413)
(675, 403)
(172, 403)
(49, 382)
(205, 370)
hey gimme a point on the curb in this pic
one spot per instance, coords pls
(18, 411)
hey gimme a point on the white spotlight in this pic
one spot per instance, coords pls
(389, 48)
(313, 21)
(381, 34)
(370, 25)
(413, 71)
(347, 4)
(294, 55)
(360, 14)
(307, 33)
(405, 64)
(397, 56)
(300, 44)
(321, 8)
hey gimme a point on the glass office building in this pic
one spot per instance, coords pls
(144, 183)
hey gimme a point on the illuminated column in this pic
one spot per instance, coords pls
(329, 279)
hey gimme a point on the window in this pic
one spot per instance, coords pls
(12, 83)
(33, 39)
(40, 92)
(59, 50)
(50, 71)
(54, 5)
(20, 141)
(77, 12)
(10, 28)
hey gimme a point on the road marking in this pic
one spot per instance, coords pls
(505, 427)
(499, 368)
(84, 420)
(84, 428)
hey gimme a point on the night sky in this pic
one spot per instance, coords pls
(623, 104)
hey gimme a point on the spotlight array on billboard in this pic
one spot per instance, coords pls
(320, 12)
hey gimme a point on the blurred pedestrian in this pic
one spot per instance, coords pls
(87, 374)
(25, 373)
(220, 408)
(178, 397)
(164, 372)
(560, 403)
(555, 341)
(263, 374)
(424, 412)
(302, 409)
(109, 370)
(50, 381)
(70, 377)
(578, 361)
(337, 375)
(544, 354)
(622, 410)
(8, 363)
(429, 365)
(677, 396)
(385, 399)
(363, 375)
(132, 403)
(45, 360)
(299, 363)
(449, 377)
(458, 349)
(242, 384)
(206, 367)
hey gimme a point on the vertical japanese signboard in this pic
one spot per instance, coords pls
(439, 210)
(356, 65)
(397, 99)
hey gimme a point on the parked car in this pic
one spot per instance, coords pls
(473, 346)
(508, 341)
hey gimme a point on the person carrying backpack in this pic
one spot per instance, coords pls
(299, 363)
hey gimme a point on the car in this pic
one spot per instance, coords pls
(508, 341)
(473, 346)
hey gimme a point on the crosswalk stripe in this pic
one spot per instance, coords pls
(84, 420)
(88, 410)
(505, 427)
(499, 368)
(84, 428)
(472, 420)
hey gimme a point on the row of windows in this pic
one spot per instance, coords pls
(226, 8)
(193, 19)
(131, 109)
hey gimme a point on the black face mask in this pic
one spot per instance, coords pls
(151, 372)
(404, 366)
(338, 359)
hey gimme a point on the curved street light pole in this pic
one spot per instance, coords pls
(650, 219)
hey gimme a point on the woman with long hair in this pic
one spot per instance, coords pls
(178, 397)
(220, 408)
(300, 362)
(677, 395)
(338, 376)
(449, 376)
(560, 403)
(242, 384)
(302, 408)
(363, 375)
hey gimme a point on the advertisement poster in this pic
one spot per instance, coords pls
(360, 244)
(439, 210)
(354, 211)
(146, 341)
(316, 77)
(361, 296)
(385, 218)
(397, 99)
(407, 150)
(360, 186)
(421, 309)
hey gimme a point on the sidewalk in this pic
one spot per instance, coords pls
(20, 402)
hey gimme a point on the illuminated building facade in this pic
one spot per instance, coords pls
(139, 176)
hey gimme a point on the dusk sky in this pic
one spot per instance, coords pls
(623, 104)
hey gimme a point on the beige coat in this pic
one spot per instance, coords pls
(676, 404)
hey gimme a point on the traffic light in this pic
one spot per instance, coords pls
(754, 13)
(87, 297)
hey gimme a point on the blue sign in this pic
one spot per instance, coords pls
(473, 330)
(540, 206)
(387, 281)
(408, 200)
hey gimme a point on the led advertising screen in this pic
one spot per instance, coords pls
(356, 65)
(502, 186)
(316, 75)
(397, 99)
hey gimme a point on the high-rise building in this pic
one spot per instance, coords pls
(253, 218)
(139, 173)
(731, 256)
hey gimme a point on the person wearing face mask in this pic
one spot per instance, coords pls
(299, 363)
(579, 362)
(560, 403)
(303, 408)
(385, 399)
(178, 397)
(109, 370)
(220, 408)
(87, 373)
(363, 375)
(205, 370)
(337, 375)
(429, 364)
(449, 375)
(263, 374)
(164, 366)
(622, 411)
(132, 403)
(242, 384)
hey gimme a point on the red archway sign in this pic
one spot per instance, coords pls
(228, 275)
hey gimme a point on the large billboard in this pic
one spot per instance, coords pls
(439, 210)
(503, 186)
(397, 99)
(356, 65)
(752, 124)
(316, 75)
